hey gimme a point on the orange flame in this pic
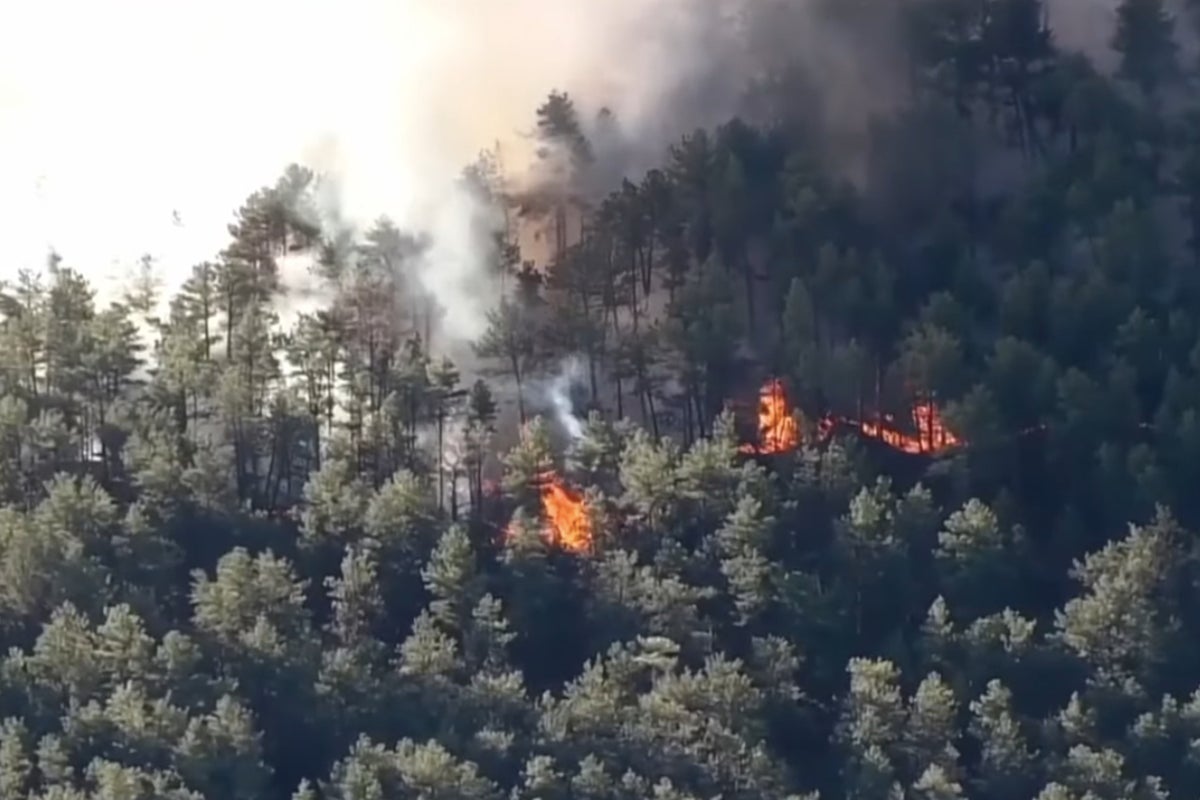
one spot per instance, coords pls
(567, 523)
(932, 435)
(778, 431)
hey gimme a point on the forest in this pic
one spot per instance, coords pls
(793, 470)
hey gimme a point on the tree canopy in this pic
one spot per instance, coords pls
(785, 475)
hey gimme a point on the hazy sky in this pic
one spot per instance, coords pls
(116, 113)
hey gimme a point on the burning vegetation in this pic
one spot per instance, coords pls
(779, 428)
(565, 520)
(566, 523)
(931, 437)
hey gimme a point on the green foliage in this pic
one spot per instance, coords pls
(235, 560)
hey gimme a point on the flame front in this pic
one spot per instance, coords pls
(935, 433)
(932, 435)
(566, 522)
(778, 431)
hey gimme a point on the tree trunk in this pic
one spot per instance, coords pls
(648, 268)
(633, 289)
(441, 425)
(516, 368)
(316, 434)
(229, 325)
(653, 413)
(272, 463)
(475, 485)
(751, 317)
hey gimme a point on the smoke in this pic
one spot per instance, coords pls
(640, 72)
(1087, 26)
(182, 112)
(558, 391)
(454, 269)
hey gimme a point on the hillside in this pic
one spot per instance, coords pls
(800, 465)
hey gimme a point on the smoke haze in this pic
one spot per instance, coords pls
(570, 373)
(135, 126)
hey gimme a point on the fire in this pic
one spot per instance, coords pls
(566, 521)
(932, 435)
(778, 431)
(932, 429)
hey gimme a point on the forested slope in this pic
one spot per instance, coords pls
(876, 477)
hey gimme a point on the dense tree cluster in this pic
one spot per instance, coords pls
(253, 561)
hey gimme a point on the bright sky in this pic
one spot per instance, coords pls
(116, 114)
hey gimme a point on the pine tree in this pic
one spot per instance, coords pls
(452, 577)
(1145, 38)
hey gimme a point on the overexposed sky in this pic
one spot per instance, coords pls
(114, 114)
(118, 115)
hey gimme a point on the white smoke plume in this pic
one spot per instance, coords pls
(1088, 26)
(135, 126)
(558, 391)
(138, 128)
